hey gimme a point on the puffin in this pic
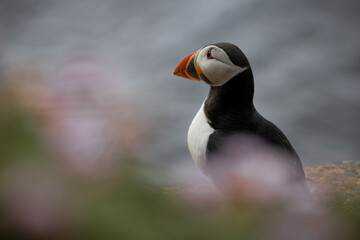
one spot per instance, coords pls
(228, 134)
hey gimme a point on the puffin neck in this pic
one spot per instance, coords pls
(231, 105)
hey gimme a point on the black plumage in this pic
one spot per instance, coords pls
(230, 111)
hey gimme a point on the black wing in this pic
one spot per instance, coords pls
(221, 142)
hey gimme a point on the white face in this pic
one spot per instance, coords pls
(216, 65)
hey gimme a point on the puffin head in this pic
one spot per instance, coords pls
(214, 64)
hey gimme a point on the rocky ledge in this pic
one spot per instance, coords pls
(335, 179)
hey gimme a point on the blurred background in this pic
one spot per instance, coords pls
(87, 92)
(305, 58)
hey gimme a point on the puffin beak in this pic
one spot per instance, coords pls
(187, 69)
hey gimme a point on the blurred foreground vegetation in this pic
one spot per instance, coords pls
(47, 194)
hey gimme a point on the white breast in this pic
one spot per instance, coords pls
(198, 136)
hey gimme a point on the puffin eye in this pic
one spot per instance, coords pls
(208, 54)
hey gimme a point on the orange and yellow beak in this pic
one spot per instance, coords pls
(187, 68)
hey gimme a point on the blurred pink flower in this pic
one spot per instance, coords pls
(35, 204)
(25, 86)
(201, 196)
(95, 125)
(84, 81)
(314, 225)
(249, 168)
(88, 124)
